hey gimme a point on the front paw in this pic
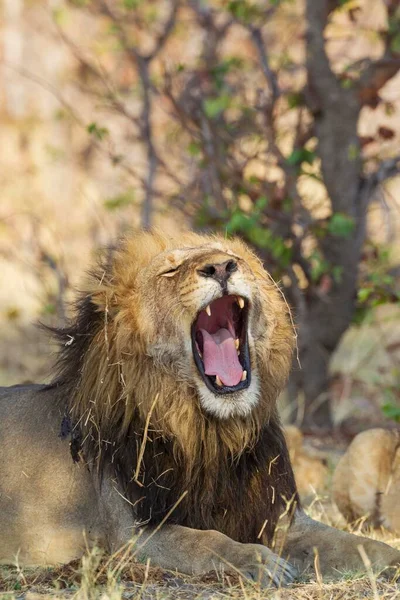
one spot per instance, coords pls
(267, 568)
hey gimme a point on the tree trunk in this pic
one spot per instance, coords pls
(325, 319)
(326, 314)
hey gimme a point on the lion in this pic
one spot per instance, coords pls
(159, 431)
(370, 489)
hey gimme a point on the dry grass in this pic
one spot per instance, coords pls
(98, 577)
(140, 581)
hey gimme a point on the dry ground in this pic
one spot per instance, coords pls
(139, 581)
(115, 578)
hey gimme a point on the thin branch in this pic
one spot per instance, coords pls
(142, 63)
(164, 35)
(374, 78)
(375, 73)
(269, 74)
(386, 170)
(147, 132)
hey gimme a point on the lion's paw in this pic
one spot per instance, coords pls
(267, 568)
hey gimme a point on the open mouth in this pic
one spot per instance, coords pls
(220, 345)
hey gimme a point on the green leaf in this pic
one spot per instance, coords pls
(389, 108)
(194, 149)
(278, 2)
(130, 4)
(346, 83)
(363, 294)
(238, 222)
(260, 237)
(261, 203)
(395, 43)
(98, 132)
(300, 155)
(294, 99)
(243, 10)
(361, 314)
(391, 411)
(341, 225)
(120, 200)
(49, 309)
(319, 266)
(220, 70)
(213, 107)
(254, 179)
(353, 152)
(337, 273)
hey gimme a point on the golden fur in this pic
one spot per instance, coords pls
(366, 483)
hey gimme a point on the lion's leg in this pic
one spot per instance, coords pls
(338, 551)
(190, 551)
(193, 551)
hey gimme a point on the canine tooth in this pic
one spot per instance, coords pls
(208, 310)
(237, 343)
(240, 301)
(244, 376)
(218, 381)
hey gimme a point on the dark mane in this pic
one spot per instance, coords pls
(242, 497)
(75, 338)
(74, 341)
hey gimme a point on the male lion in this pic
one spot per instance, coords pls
(166, 388)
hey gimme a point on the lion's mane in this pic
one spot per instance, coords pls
(132, 419)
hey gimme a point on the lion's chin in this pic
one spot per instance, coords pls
(238, 404)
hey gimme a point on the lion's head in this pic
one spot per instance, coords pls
(186, 341)
(205, 313)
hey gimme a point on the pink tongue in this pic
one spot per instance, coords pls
(220, 356)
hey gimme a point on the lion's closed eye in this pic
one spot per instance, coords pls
(170, 272)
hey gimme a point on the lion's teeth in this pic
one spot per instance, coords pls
(218, 381)
(240, 301)
(199, 351)
(208, 310)
(237, 344)
(244, 376)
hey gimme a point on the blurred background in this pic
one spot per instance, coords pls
(277, 120)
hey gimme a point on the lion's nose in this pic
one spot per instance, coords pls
(220, 272)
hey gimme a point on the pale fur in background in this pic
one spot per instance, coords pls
(366, 483)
